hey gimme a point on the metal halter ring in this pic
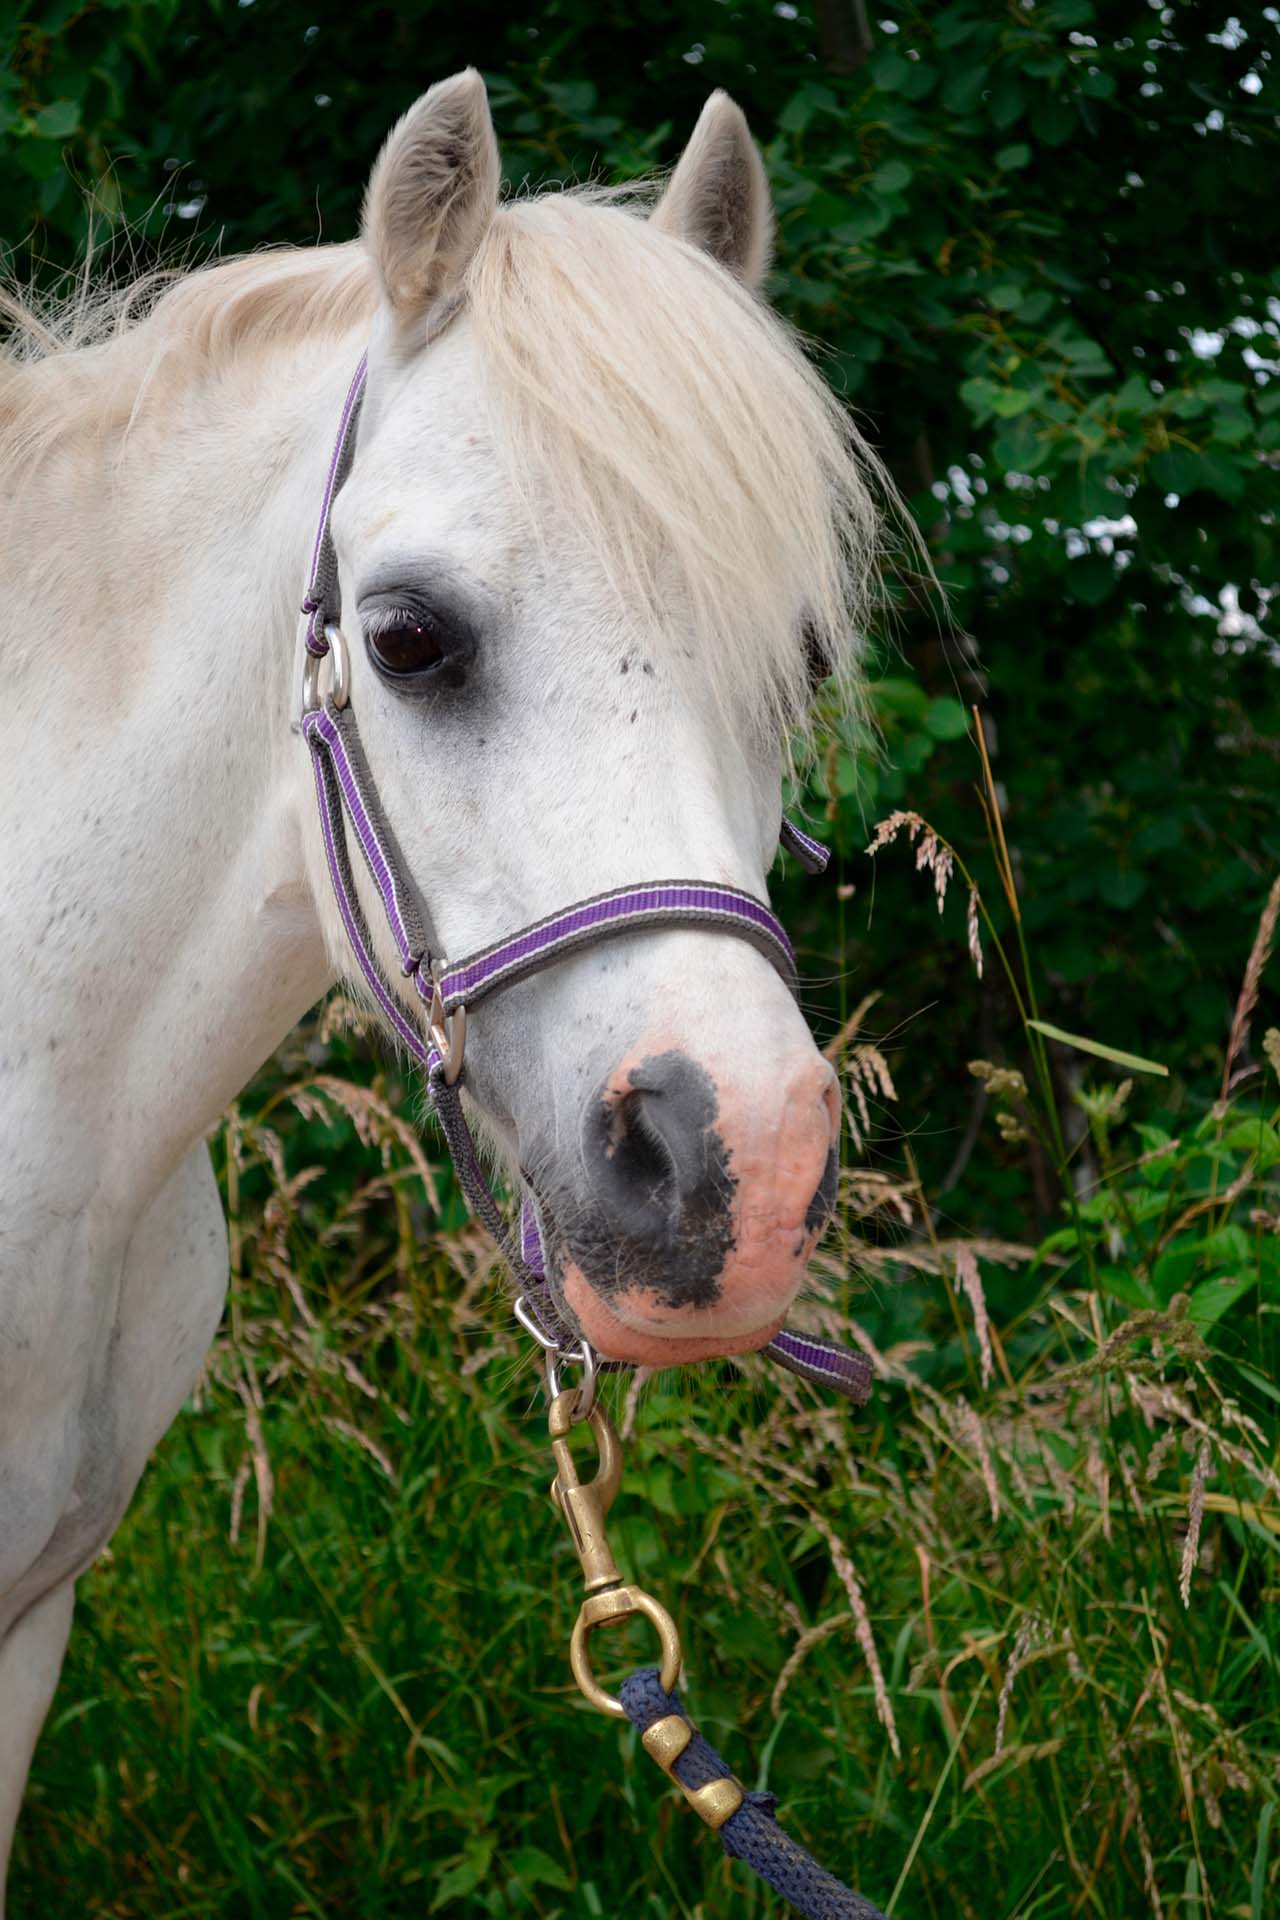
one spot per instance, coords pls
(447, 1033)
(529, 1320)
(336, 645)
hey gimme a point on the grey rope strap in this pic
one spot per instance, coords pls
(745, 1821)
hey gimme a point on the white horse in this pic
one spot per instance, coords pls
(602, 520)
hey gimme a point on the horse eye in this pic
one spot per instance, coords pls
(411, 646)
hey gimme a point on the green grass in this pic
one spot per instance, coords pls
(322, 1668)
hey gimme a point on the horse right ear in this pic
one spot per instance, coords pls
(432, 194)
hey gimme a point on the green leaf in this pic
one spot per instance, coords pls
(1122, 887)
(1007, 402)
(466, 1876)
(946, 719)
(1055, 122)
(848, 774)
(1022, 448)
(919, 80)
(574, 97)
(1013, 159)
(1212, 1298)
(963, 90)
(1222, 474)
(1134, 1061)
(1176, 470)
(865, 219)
(1036, 307)
(1008, 102)
(531, 1867)
(1183, 471)
(955, 25)
(1124, 1284)
(888, 69)
(1083, 353)
(1135, 396)
(59, 120)
(979, 395)
(903, 699)
(1258, 1878)
(892, 177)
(1065, 14)
(797, 112)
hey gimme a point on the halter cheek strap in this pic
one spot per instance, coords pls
(346, 793)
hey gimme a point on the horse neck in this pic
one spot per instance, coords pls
(162, 785)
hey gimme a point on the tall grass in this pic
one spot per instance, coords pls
(1005, 1643)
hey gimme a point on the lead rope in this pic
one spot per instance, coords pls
(745, 1821)
(345, 791)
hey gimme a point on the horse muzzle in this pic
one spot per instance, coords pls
(702, 1200)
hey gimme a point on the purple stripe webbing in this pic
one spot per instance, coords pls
(811, 853)
(531, 1239)
(823, 1362)
(353, 922)
(660, 903)
(381, 863)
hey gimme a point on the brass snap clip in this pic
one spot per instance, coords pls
(609, 1599)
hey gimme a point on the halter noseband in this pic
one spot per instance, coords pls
(346, 792)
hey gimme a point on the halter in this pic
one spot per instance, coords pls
(346, 792)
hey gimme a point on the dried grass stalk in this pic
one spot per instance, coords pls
(969, 1279)
(1259, 954)
(1195, 1520)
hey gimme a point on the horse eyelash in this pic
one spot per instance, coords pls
(384, 619)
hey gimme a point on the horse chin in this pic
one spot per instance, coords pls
(632, 1338)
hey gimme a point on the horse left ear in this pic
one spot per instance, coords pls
(432, 195)
(718, 196)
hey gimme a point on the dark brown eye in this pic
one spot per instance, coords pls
(412, 647)
(416, 648)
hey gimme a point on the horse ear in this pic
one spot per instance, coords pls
(432, 194)
(718, 196)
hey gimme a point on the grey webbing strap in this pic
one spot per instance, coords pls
(322, 603)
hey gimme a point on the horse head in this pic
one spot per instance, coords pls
(601, 522)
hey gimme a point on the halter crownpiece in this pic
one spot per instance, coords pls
(345, 792)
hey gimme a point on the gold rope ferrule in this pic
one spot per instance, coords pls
(715, 1801)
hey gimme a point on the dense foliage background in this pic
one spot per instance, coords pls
(1038, 246)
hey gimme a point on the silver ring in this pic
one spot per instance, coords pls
(528, 1320)
(585, 1357)
(340, 658)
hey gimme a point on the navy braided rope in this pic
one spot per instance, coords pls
(752, 1834)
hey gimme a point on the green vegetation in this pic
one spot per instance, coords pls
(1005, 1643)
(1006, 1638)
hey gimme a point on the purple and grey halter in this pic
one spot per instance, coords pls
(346, 792)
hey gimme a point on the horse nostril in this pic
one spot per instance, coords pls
(659, 1166)
(639, 1148)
